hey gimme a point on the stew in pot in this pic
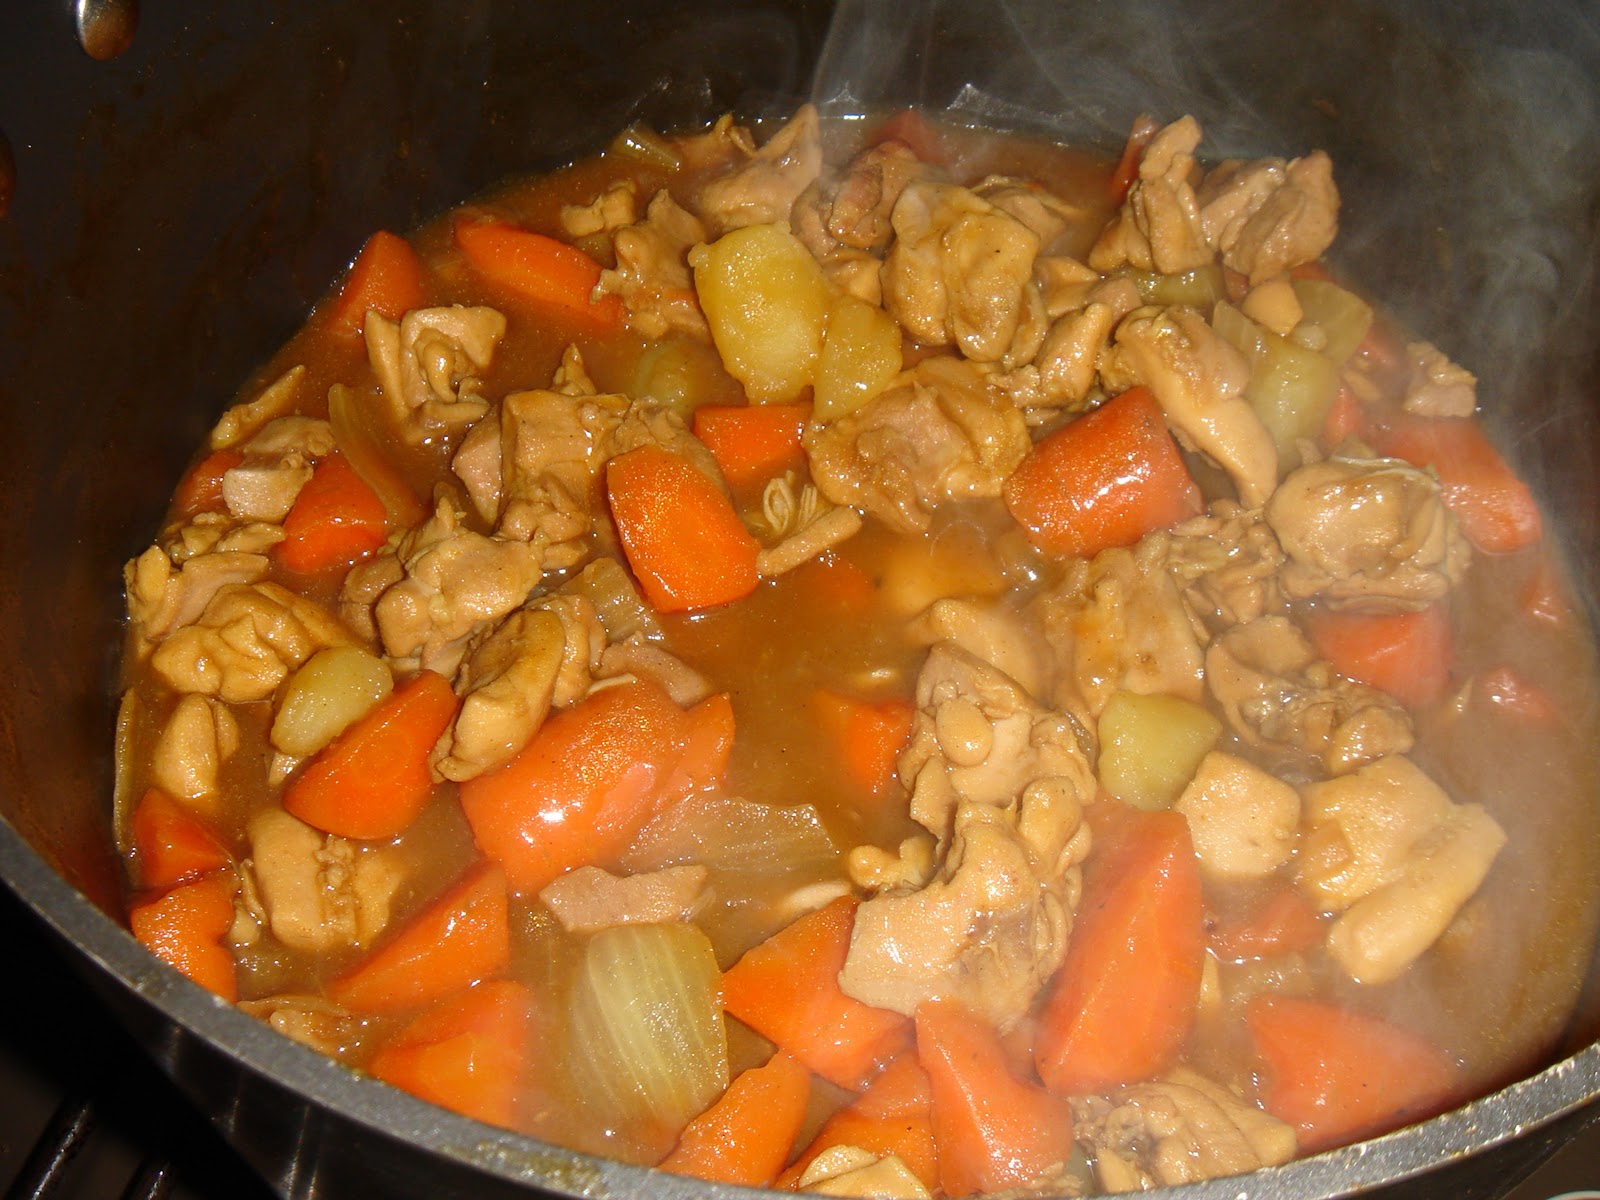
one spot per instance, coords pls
(890, 660)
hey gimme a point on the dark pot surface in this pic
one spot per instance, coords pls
(175, 210)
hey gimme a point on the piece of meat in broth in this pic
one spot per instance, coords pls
(1243, 818)
(1065, 369)
(1366, 533)
(1387, 849)
(590, 899)
(1279, 697)
(321, 892)
(1199, 381)
(937, 435)
(1158, 227)
(762, 189)
(552, 446)
(1267, 216)
(164, 596)
(1436, 386)
(652, 273)
(1227, 562)
(851, 211)
(428, 365)
(277, 464)
(198, 737)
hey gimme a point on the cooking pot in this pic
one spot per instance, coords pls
(176, 207)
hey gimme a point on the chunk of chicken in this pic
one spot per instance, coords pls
(622, 611)
(455, 582)
(197, 739)
(1397, 858)
(589, 899)
(1366, 533)
(997, 634)
(610, 210)
(850, 1171)
(277, 465)
(1277, 695)
(937, 435)
(652, 273)
(219, 533)
(321, 892)
(799, 525)
(1438, 387)
(245, 642)
(314, 1021)
(1199, 381)
(639, 657)
(763, 189)
(1064, 371)
(1158, 227)
(163, 596)
(552, 446)
(1117, 622)
(1182, 1128)
(852, 211)
(959, 271)
(429, 363)
(1227, 562)
(1036, 206)
(277, 399)
(1243, 819)
(1267, 216)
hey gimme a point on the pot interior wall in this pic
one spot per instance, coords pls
(177, 209)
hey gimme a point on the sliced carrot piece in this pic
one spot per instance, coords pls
(461, 937)
(185, 927)
(746, 1136)
(787, 990)
(867, 736)
(466, 1053)
(336, 520)
(1338, 1075)
(386, 276)
(1346, 418)
(1514, 694)
(1124, 1000)
(994, 1131)
(679, 531)
(171, 843)
(833, 582)
(576, 794)
(373, 779)
(1284, 922)
(707, 749)
(1407, 654)
(538, 269)
(752, 443)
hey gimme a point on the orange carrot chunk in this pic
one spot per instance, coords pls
(462, 936)
(1284, 922)
(1105, 479)
(538, 269)
(1338, 1075)
(1346, 418)
(1492, 505)
(1124, 1000)
(386, 277)
(679, 531)
(746, 1136)
(373, 779)
(466, 1053)
(707, 749)
(993, 1131)
(185, 927)
(787, 990)
(579, 791)
(867, 736)
(201, 489)
(336, 520)
(171, 843)
(893, 1116)
(752, 443)
(1407, 654)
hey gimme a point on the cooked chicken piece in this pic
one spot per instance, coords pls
(455, 582)
(1243, 819)
(1182, 1128)
(218, 533)
(314, 1021)
(610, 210)
(507, 682)
(321, 892)
(1390, 851)
(265, 491)
(242, 420)
(1366, 533)
(1199, 381)
(363, 585)
(588, 899)
(245, 642)
(476, 463)
(979, 737)
(959, 271)
(650, 423)
(163, 597)
(1438, 387)
(996, 634)
(652, 273)
(1065, 369)
(799, 525)
(763, 189)
(1158, 227)
(853, 1172)
(638, 657)
(1274, 305)
(309, 437)
(1277, 695)
(1267, 216)
(1117, 622)
(851, 213)
(1041, 210)
(428, 366)
(622, 610)
(199, 736)
(1227, 561)
(552, 446)
(935, 436)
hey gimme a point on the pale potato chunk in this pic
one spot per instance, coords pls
(767, 302)
(1242, 818)
(1151, 745)
(860, 356)
(330, 691)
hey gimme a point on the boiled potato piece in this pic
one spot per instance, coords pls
(1150, 746)
(1338, 319)
(860, 355)
(331, 690)
(1291, 388)
(767, 303)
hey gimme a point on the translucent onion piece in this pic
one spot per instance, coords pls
(1341, 318)
(648, 1045)
(352, 431)
(645, 144)
(738, 837)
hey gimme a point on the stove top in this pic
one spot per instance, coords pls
(85, 1115)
